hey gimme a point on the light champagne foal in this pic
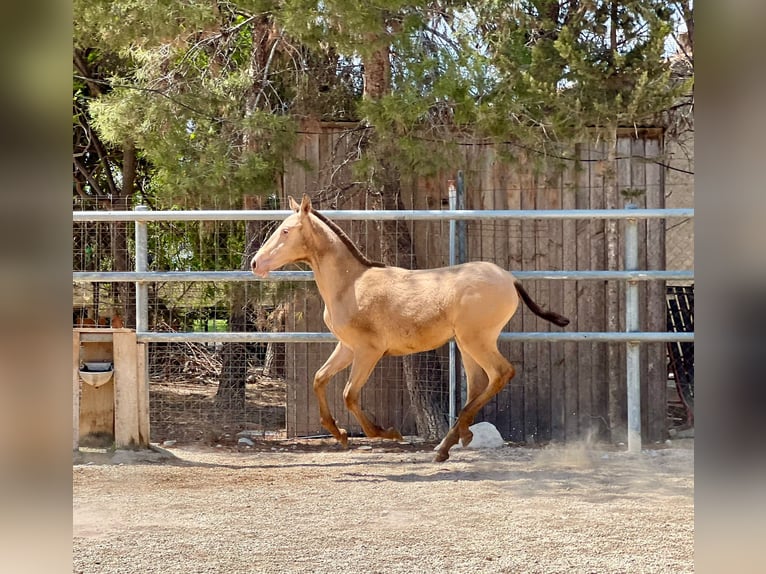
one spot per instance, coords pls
(376, 310)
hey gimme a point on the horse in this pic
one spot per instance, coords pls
(375, 310)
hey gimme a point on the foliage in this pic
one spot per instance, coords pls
(212, 94)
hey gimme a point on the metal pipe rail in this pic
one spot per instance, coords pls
(382, 215)
(324, 337)
(233, 276)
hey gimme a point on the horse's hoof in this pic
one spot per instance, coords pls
(394, 434)
(441, 456)
(465, 439)
(343, 439)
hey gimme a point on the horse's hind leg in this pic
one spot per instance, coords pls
(364, 362)
(476, 384)
(338, 360)
(499, 371)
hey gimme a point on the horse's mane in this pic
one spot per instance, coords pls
(347, 241)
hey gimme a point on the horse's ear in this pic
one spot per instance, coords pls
(305, 206)
(293, 204)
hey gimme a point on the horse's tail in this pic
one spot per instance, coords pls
(554, 318)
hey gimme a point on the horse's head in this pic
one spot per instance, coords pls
(288, 243)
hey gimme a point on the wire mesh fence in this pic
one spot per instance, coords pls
(212, 391)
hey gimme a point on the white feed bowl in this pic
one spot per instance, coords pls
(97, 378)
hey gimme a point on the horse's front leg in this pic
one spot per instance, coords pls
(338, 360)
(364, 362)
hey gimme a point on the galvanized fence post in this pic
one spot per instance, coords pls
(142, 265)
(462, 257)
(452, 378)
(633, 366)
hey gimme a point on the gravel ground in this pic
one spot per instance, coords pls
(386, 508)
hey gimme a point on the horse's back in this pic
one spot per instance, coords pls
(434, 303)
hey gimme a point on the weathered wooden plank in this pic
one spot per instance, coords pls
(514, 352)
(325, 161)
(529, 262)
(594, 398)
(96, 404)
(566, 422)
(314, 163)
(75, 390)
(142, 388)
(637, 196)
(543, 261)
(555, 261)
(494, 249)
(615, 295)
(655, 424)
(126, 427)
(590, 181)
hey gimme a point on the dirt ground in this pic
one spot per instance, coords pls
(382, 507)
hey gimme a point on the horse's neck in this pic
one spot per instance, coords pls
(334, 266)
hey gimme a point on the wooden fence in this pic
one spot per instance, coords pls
(562, 391)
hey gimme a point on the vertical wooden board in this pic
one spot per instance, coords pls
(142, 387)
(514, 352)
(305, 359)
(429, 239)
(514, 391)
(325, 163)
(566, 425)
(302, 416)
(126, 434)
(656, 377)
(96, 404)
(335, 173)
(75, 389)
(314, 161)
(594, 392)
(556, 301)
(487, 202)
(639, 199)
(543, 246)
(589, 181)
(473, 228)
(398, 402)
(529, 262)
(385, 409)
(506, 196)
(96, 410)
(496, 409)
(294, 177)
(498, 183)
(296, 403)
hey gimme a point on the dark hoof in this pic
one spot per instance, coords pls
(441, 456)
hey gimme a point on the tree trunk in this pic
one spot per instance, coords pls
(422, 372)
(231, 385)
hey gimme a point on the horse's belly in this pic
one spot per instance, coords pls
(406, 338)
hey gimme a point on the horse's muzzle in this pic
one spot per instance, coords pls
(261, 270)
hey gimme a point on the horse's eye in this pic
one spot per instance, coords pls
(285, 231)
